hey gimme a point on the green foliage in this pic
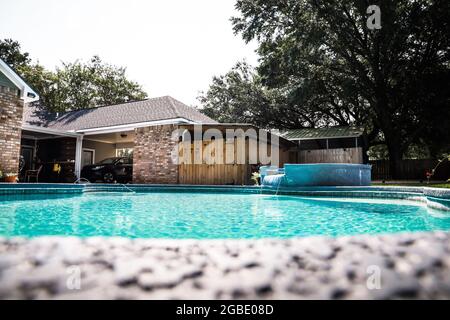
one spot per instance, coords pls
(423, 184)
(94, 83)
(73, 86)
(45, 83)
(416, 151)
(239, 96)
(328, 68)
(378, 152)
(10, 53)
(10, 174)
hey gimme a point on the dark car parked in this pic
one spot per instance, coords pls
(118, 169)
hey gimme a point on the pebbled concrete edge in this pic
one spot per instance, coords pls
(400, 266)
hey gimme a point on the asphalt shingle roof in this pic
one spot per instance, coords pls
(322, 133)
(161, 108)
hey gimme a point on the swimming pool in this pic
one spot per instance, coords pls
(210, 215)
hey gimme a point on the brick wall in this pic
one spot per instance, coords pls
(152, 162)
(11, 109)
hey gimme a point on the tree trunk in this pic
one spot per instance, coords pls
(395, 158)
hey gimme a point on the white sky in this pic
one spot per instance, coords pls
(171, 47)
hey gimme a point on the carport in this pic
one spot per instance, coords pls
(57, 153)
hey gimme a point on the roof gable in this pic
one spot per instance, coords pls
(10, 76)
(155, 109)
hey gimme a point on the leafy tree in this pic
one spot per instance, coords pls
(86, 85)
(330, 66)
(73, 86)
(240, 96)
(45, 83)
(10, 53)
(42, 80)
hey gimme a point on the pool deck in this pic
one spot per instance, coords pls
(401, 266)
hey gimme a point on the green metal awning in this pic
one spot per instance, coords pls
(323, 133)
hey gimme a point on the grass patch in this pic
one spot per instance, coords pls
(431, 185)
(441, 185)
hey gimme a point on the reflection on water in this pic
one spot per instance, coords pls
(211, 215)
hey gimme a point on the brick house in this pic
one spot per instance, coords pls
(77, 138)
(14, 93)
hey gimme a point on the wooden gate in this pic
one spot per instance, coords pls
(210, 171)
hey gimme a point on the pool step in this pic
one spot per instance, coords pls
(107, 188)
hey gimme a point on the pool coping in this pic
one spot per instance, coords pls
(436, 198)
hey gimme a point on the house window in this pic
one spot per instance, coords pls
(124, 152)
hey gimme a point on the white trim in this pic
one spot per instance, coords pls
(131, 126)
(227, 124)
(321, 138)
(44, 138)
(93, 153)
(25, 136)
(26, 93)
(97, 140)
(50, 131)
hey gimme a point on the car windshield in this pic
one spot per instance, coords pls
(108, 161)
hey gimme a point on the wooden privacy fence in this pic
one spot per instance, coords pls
(343, 155)
(236, 174)
(410, 169)
(237, 170)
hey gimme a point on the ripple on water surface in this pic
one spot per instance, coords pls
(209, 215)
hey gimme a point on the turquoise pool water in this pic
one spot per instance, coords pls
(209, 215)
